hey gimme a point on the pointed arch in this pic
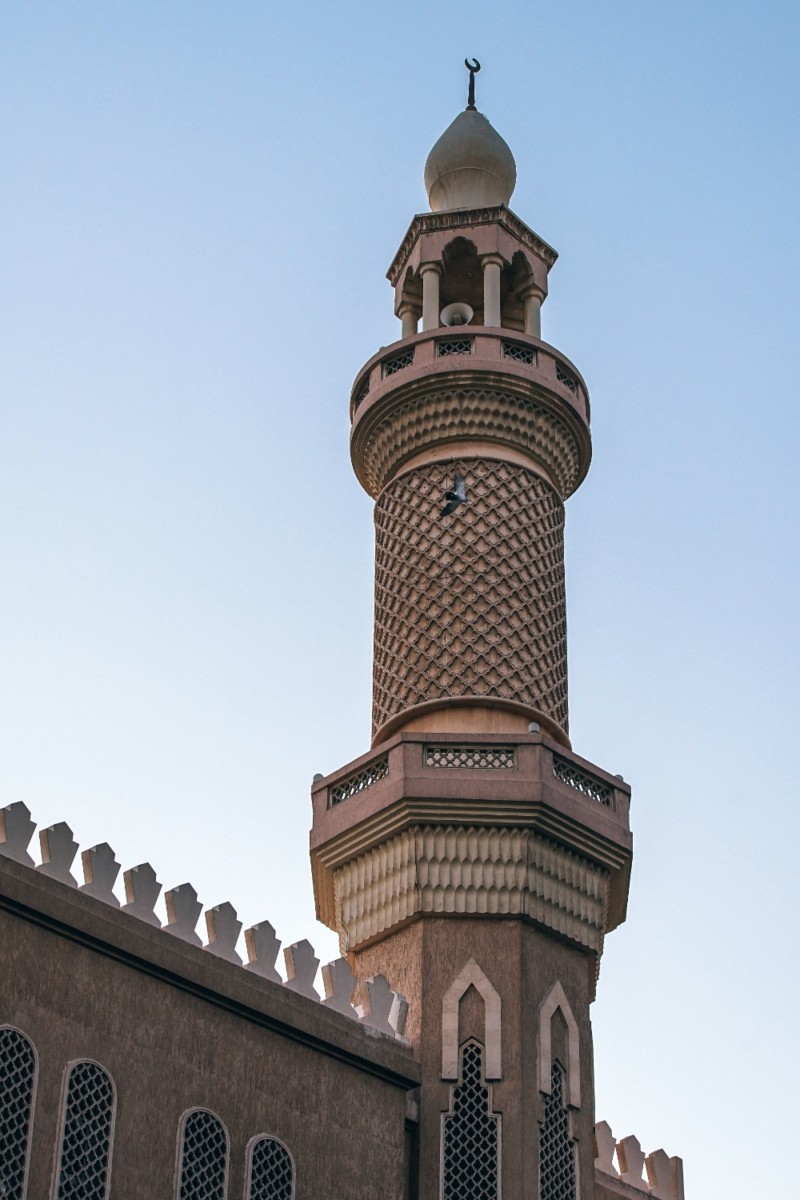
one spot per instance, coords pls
(472, 976)
(556, 998)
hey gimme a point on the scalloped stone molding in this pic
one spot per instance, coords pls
(462, 869)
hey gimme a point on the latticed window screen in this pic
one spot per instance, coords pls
(85, 1163)
(271, 1171)
(556, 1147)
(471, 1134)
(204, 1158)
(17, 1074)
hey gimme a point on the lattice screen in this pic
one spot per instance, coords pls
(85, 1162)
(204, 1158)
(556, 1147)
(17, 1073)
(471, 1134)
(271, 1171)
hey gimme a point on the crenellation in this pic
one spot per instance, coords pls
(16, 831)
(58, 850)
(142, 889)
(100, 871)
(384, 1011)
(655, 1175)
(224, 928)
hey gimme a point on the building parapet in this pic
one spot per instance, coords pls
(371, 1002)
(622, 1169)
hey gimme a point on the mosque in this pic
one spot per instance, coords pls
(470, 860)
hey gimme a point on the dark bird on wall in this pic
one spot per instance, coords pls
(456, 497)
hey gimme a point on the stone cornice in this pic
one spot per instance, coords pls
(436, 222)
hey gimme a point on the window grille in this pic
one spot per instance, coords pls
(520, 353)
(587, 785)
(471, 1134)
(397, 363)
(483, 757)
(357, 783)
(563, 376)
(85, 1163)
(271, 1171)
(17, 1076)
(556, 1147)
(204, 1157)
(454, 346)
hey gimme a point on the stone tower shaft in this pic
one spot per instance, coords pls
(470, 856)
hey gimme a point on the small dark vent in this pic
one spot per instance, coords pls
(519, 353)
(85, 1160)
(587, 785)
(398, 363)
(358, 783)
(495, 758)
(454, 346)
(204, 1158)
(271, 1171)
(563, 376)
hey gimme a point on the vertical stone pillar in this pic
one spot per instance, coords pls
(409, 315)
(431, 273)
(492, 265)
(533, 300)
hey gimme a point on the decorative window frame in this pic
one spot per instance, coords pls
(555, 999)
(34, 1085)
(471, 975)
(259, 1137)
(70, 1067)
(179, 1150)
(448, 1112)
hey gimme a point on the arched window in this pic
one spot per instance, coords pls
(17, 1079)
(203, 1169)
(84, 1161)
(556, 1147)
(471, 1134)
(271, 1171)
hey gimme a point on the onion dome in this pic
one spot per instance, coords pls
(470, 166)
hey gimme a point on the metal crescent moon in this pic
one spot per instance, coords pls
(475, 67)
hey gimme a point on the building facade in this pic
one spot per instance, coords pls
(470, 861)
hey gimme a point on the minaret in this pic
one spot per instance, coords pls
(470, 855)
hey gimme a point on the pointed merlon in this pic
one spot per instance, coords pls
(340, 987)
(223, 928)
(604, 1146)
(262, 950)
(665, 1176)
(301, 968)
(183, 909)
(16, 831)
(631, 1162)
(142, 889)
(100, 871)
(58, 849)
(376, 1003)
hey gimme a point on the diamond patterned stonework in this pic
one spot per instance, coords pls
(204, 1159)
(85, 1163)
(271, 1171)
(471, 1135)
(473, 604)
(17, 1072)
(556, 1147)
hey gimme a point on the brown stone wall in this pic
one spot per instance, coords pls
(472, 604)
(177, 1029)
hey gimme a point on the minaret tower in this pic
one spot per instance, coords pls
(470, 855)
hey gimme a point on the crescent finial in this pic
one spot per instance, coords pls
(473, 68)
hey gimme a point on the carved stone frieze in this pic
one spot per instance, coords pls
(460, 869)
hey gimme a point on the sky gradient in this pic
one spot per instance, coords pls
(199, 203)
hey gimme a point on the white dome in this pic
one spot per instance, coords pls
(470, 166)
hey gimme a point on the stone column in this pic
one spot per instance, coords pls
(492, 265)
(409, 315)
(533, 300)
(431, 273)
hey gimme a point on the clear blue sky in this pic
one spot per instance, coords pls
(199, 201)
